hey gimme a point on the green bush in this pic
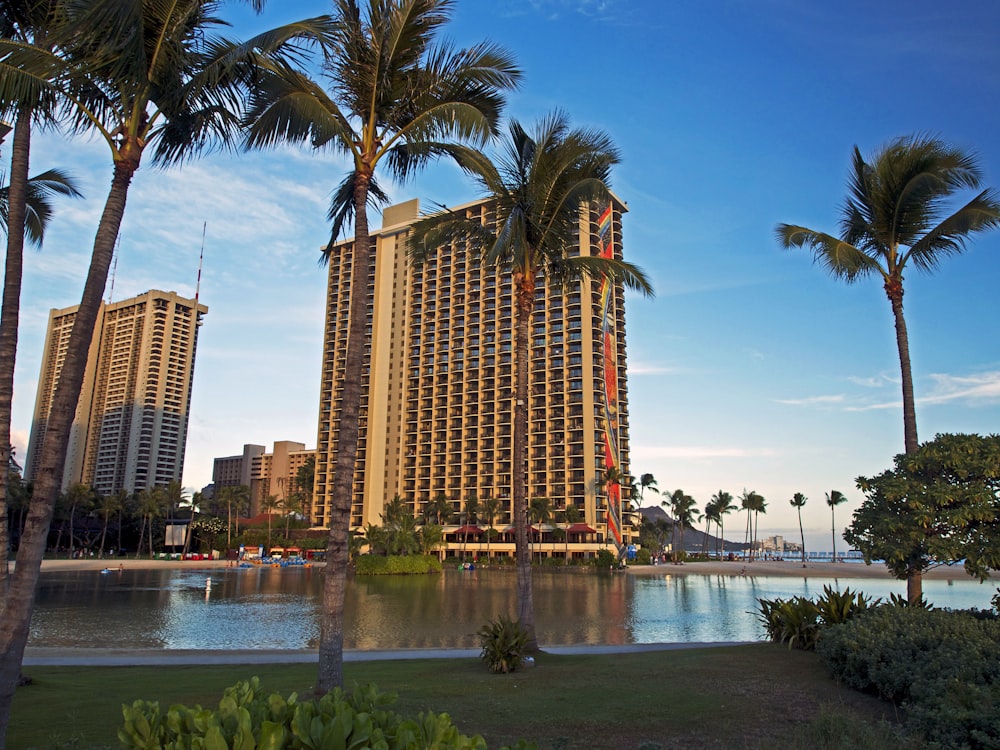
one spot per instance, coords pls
(503, 642)
(605, 559)
(376, 565)
(942, 667)
(247, 718)
(837, 607)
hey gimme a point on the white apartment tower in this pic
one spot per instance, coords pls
(130, 428)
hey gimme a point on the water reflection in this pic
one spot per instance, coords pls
(279, 608)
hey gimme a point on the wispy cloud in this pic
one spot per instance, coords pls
(984, 386)
(814, 400)
(696, 452)
(639, 369)
(878, 381)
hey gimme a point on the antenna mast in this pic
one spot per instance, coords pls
(201, 257)
(114, 269)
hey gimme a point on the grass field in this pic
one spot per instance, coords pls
(754, 696)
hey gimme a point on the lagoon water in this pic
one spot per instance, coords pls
(278, 608)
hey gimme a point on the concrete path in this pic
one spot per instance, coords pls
(109, 657)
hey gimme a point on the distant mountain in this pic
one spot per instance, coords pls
(694, 539)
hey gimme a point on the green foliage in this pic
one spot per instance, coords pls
(940, 504)
(376, 565)
(793, 621)
(643, 556)
(799, 621)
(503, 642)
(249, 719)
(943, 667)
(605, 559)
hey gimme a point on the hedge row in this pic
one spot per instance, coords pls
(942, 667)
(377, 565)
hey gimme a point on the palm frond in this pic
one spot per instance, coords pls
(341, 212)
(40, 189)
(839, 258)
(950, 236)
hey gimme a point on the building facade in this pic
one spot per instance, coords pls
(130, 428)
(274, 474)
(438, 384)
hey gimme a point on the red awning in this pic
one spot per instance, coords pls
(467, 530)
(580, 528)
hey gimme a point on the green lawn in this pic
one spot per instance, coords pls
(752, 696)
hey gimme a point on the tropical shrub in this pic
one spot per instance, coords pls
(605, 559)
(249, 718)
(503, 642)
(376, 565)
(942, 667)
(793, 621)
(837, 607)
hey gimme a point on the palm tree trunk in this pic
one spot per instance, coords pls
(15, 617)
(895, 294)
(524, 291)
(10, 314)
(331, 641)
(833, 532)
(802, 537)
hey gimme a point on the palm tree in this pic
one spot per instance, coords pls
(269, 504)
(746, 503)
(572, 515)
(684, 516)
(491, 507)
(440, 509)
(798, 502)
(646, 481)
(895, 216)
(759, 506)
(539, 512)
(538, 186)
(397, 99)
(141, 75)
(833, 499)
(108, 504)
(711, 516)
(469, 518)
(234, 498)
(725, 505)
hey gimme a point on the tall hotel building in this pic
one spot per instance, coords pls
(438, 382)
(130, 428)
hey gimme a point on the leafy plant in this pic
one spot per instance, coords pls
(793, 621)
(837, 607)
(503, 641)
(942, 667)
(248, 718)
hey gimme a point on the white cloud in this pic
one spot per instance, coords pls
(984, 386)
(813, 400)
(696, 452)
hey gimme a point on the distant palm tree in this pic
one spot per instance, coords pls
(833, 499)
(491, 507)
(646, 481)
(894, 216)
(725, 505)
(469, 518)
(746, 503)
(397, 98)
(108, 504)
(538, 186)
(539, 512)
(798, 502)
(711, 516)
(571, 515)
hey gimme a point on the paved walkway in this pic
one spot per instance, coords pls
(110, 657)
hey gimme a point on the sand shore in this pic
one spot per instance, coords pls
(785, 568)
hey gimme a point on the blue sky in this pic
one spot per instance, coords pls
(751, 369)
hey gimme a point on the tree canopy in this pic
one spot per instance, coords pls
(936, 506)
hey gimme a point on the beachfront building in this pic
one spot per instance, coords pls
(130, 428)
(273, 474)
(438, 391)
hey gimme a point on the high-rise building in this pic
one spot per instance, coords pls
(265, 474)
(438, 382)
(130, 427)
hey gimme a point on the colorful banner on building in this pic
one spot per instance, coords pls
(612, 463)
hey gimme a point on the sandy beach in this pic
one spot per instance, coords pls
(785, 568)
